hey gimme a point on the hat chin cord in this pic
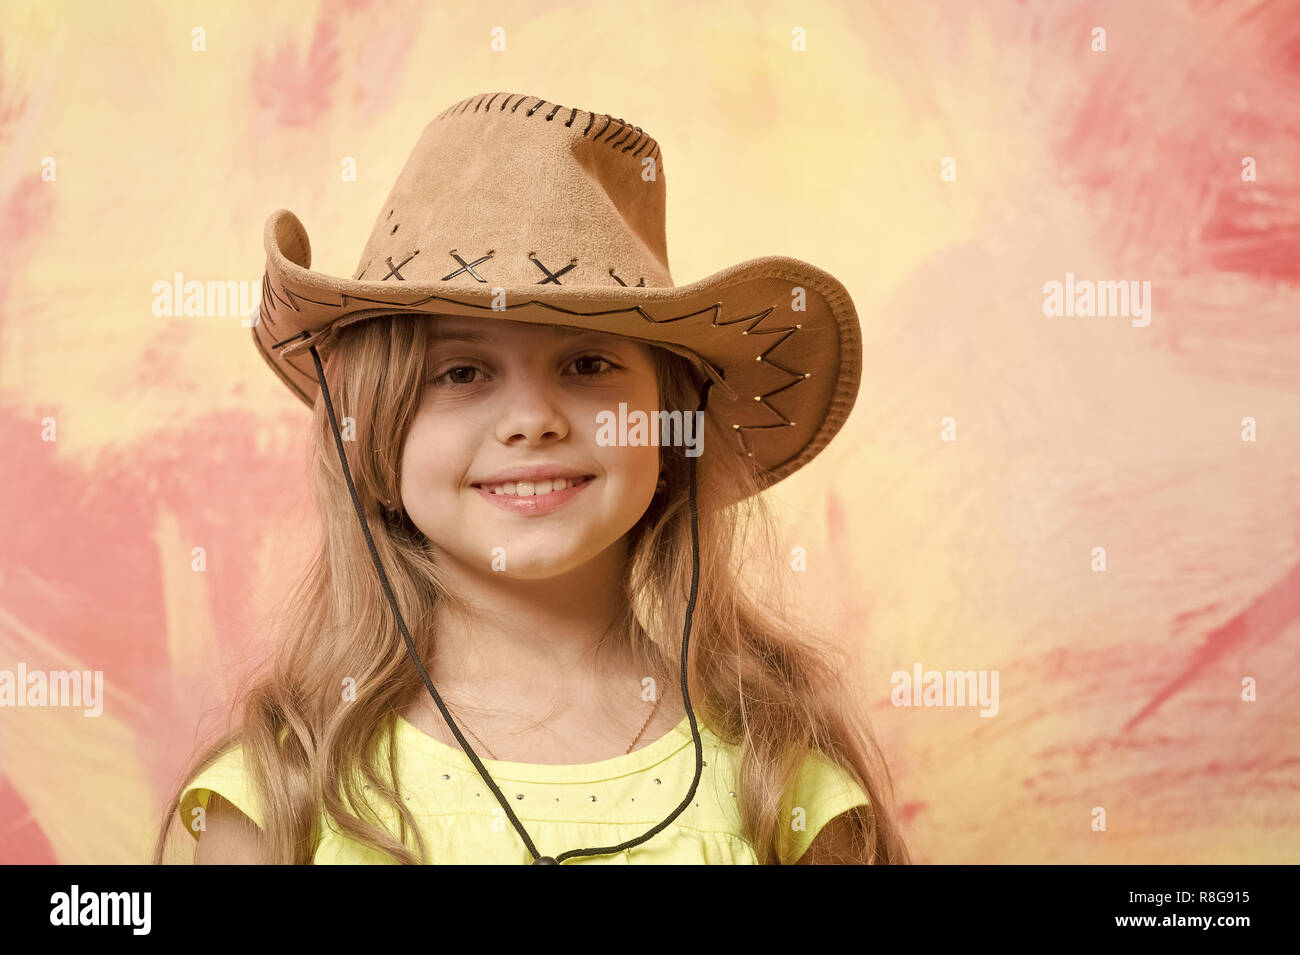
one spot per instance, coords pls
(538, 858)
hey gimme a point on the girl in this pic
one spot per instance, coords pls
(507, 555)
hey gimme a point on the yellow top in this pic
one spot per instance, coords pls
(565, 807)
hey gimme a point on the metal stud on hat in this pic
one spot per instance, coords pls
(512, 208)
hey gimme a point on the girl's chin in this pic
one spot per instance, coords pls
(527, 564)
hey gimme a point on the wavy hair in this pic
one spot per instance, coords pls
(757, 679)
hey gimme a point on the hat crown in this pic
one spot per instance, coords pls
(506, 189)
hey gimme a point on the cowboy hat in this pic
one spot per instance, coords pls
(512, 207)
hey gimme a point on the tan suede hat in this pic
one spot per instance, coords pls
(514, 208)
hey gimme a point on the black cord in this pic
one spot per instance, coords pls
(410, 645)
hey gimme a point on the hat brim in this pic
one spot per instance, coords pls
(784, 380)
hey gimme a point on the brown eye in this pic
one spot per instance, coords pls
(452, 372)
(586, 359)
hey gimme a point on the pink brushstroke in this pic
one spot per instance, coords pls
(9, 112)
(24, 842)
(1267, 618)
(380, 64)
(298, 92)
(24, 213)
(99, 593)
(26, 208)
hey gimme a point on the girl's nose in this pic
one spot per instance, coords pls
(531, 412)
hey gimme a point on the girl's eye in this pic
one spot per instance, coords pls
(453, 371)
(597, 358)
(582, 360)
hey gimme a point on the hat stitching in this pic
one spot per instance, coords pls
(639, 136)
(550, 276)
(265, 313)
(609, 120)
(643, 139)
(833, 299)
(640, 284)
(393, 269)
(630, 131)
(468, 267)
(287, 304)
(622, 132)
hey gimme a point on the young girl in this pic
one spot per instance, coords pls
(535, 495)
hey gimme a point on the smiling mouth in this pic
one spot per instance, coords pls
(533, 488)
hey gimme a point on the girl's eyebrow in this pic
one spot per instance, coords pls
(477, 337)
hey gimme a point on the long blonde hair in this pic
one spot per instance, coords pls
(756, 678)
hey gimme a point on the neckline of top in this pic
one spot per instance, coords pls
(636, 761)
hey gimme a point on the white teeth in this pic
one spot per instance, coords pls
(532, 488)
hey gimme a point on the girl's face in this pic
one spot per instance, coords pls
(502, 396)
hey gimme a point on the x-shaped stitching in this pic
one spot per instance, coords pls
(393, 268)
(468, 266)
(551, 276)
(640, 284)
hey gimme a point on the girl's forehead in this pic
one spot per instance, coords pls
(499, 331)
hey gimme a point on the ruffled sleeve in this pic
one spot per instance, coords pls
(226, 776)
(823, 791)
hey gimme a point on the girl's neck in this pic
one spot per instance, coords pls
(548, 626)
(539, 720)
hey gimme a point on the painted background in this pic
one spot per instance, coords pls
(1120, 689)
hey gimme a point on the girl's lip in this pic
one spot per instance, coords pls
(537, 503)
